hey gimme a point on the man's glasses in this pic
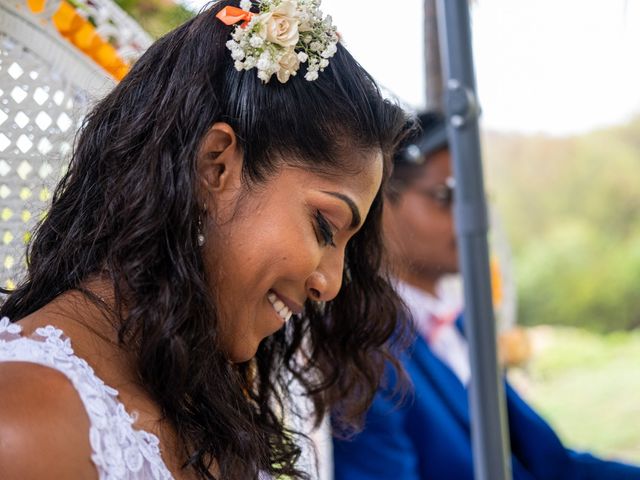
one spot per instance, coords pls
(442, 194)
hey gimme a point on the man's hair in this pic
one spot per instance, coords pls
(426, 136)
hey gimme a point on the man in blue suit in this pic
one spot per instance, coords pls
(427, 436)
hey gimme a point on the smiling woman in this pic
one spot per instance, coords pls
(199, 238)
(290, 235)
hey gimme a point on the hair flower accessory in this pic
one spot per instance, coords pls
(281, 37)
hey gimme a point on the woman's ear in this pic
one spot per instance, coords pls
(219, 164)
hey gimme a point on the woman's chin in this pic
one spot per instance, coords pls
(244, 350)
(243, 355)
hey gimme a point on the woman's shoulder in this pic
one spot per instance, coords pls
(44, 429)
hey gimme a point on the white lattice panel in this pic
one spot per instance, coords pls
(46, 86)
(39, 113)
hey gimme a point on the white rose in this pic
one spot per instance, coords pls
(280, 26)
(289, 64)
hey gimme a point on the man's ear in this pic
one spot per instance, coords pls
(219, 163)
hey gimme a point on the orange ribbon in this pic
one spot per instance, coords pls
(233, 15)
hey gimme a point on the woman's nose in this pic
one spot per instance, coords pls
(325, 282)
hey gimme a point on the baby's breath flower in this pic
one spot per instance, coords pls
(264, 63)
(237, 54)
(245, 5)
(264, 76)
(329, 51)
(311, 76)
(256, 41)
(253, 21)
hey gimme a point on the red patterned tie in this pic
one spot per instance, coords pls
(436, 323)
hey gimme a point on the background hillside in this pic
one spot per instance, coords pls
(570, 207)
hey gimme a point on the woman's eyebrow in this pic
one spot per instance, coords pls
(356, 218)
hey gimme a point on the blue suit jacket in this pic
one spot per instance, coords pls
(428, 436)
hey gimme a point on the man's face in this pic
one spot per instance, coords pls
(418, 225)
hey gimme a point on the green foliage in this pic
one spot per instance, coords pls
(157, 17)
(578, 276)
(571, 209)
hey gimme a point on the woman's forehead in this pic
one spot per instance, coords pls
(360, 170)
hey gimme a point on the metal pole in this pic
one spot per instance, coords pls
(432, 59)
(486, 392)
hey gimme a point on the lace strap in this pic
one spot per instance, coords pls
(119, 451)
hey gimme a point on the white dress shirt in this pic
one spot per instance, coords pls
(434, 317)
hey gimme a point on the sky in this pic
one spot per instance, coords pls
(542, 66)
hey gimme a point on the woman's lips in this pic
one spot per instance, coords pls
(295, 307)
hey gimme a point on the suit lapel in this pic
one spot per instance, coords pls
(443, 380)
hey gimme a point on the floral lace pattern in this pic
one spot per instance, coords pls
(119, 451)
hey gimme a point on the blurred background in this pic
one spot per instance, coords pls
(558, 85)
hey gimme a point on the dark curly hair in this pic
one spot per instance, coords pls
(127, 208)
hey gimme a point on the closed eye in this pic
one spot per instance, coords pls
(324, 230)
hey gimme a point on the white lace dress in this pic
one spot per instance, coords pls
(119, 451)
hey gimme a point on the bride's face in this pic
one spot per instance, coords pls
(270, 247)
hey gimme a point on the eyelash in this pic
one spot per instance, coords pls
(325, 232)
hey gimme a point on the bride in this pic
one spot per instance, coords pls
(222, 203)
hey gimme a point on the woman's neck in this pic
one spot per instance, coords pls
(92, 331)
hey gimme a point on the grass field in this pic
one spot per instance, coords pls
(588, 387)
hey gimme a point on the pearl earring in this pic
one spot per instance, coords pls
(200, 233)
